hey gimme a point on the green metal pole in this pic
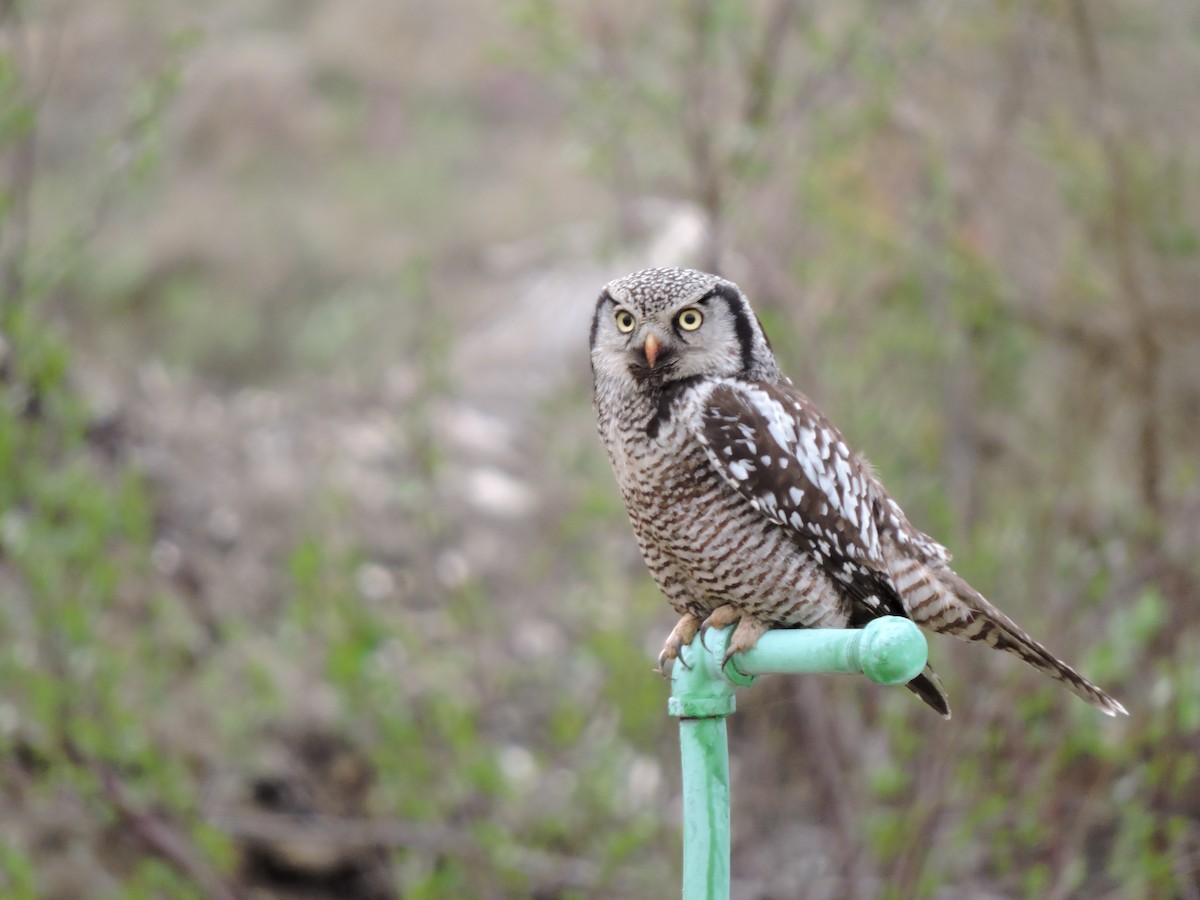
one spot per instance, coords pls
(701, 697)
(890, 650)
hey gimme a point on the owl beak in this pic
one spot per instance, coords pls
(651, 349)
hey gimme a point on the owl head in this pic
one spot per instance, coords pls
(659, 326)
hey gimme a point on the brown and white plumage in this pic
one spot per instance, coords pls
(746, 502)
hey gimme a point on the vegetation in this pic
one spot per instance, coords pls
(314, 580)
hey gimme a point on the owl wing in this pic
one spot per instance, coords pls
(771, 445)
(774, 447)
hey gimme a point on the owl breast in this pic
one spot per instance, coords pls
(703, 543)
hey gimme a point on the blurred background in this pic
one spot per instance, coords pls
(315, 582)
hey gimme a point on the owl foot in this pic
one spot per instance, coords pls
(720, 617)
(744, 637)
(682, 634)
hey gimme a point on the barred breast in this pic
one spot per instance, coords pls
(704, 546)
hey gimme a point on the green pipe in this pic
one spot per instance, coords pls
(704, 748)
(889, 650)
(702, 697)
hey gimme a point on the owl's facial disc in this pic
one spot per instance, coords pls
(670, 345)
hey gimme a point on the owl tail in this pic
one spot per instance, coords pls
(928, 687)
(983, 622)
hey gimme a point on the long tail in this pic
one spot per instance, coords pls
(964, 613)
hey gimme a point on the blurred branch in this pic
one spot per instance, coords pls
(700, 123)
(1102, 342)
(716, 171)
(157, 834)
(964, 451)
(547, 872)
(928, 810)
(22, 119)
(1073, 835)
(1011, 100)
(1095, 340)
(762, 70)
(830, 775)
(1146, 374)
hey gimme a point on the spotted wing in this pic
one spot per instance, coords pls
(776, 449)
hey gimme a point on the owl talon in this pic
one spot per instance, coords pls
(745, 636)
(721, 617)
(718, 618)
(666, 656)
(682, 634)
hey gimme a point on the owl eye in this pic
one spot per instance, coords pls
(624, 321)
(690, 319)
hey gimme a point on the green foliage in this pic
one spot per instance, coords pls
(89, 647)
(17, 876)
(75, 538)
(153, 880)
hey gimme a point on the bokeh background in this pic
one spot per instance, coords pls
(313, 578)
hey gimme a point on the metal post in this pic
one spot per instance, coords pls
(701, 697)
(890, 650)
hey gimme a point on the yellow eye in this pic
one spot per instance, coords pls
(690, 319)
(624, 321)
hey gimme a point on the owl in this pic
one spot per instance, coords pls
(747, 504)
